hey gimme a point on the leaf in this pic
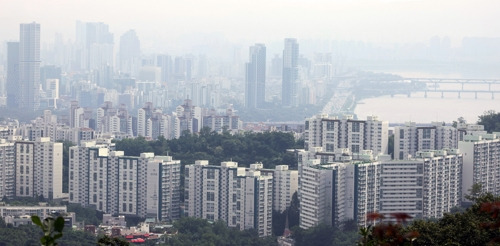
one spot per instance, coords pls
(59, 224)
(37, 221)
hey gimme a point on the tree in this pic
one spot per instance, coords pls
(52, 229)
(475, 191)
(111, 241)
(490, 120)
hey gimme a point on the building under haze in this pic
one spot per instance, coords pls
(130, 53)
(410, 138)
(255, 77)
(29, 66)
(290, 86)
(12, 85)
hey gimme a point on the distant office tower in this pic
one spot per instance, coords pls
(426, 186)
(39, 168)
(410, 138)
(255, 77)
(289, 86)
(29, 66)
(276, 66)
(166, 65)
(130, 53)
(481, 162)
(242, 198)
(94, 44)
(12, 84)
(332, 133)
(7, 169)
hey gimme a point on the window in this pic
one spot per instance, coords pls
(330, 125)
(210, 207)
(131, 165)
(210, 185)
(355, 127)
(210, 196)
(426, 133)
(329, 147)
(401, 133)
(355, 148)
(210, 174)
(95, 198)
(130, 207)
(124, 207)
(124, 185)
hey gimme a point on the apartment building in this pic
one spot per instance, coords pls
(410, 138)
(242, 198)
(481, 162)
(38, 170)
(426, 186)
(145, 185)
(285, 184)
(7, 169)
(332, 133)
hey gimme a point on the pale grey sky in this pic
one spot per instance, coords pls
(158, 21)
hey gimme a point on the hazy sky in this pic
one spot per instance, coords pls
(158, 21)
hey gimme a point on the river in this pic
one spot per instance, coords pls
(421, 109)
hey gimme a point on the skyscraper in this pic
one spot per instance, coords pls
(255, 77)
(12, 74)
(29, 66)
(289, 86)
(130, 53)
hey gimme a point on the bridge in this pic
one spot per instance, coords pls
(434, 85)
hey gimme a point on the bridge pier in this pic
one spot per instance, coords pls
(492, 95)
(476, 95)
(442, 94)
(459, 95)
(425, 95)
(489, 86)
(462, 86)
(409, 94)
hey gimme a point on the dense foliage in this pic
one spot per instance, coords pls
(326, 235)
(477, 225)
(247, 148)
(490, 120)
(30, 235)
(194, 231)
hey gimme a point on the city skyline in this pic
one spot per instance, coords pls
(380, 21)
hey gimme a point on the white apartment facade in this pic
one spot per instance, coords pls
(332, 133)
(481, 162)
(426, 186)
(111, 182)
(7, 169)
(39, 168)
(242, 198)
(410, 138)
